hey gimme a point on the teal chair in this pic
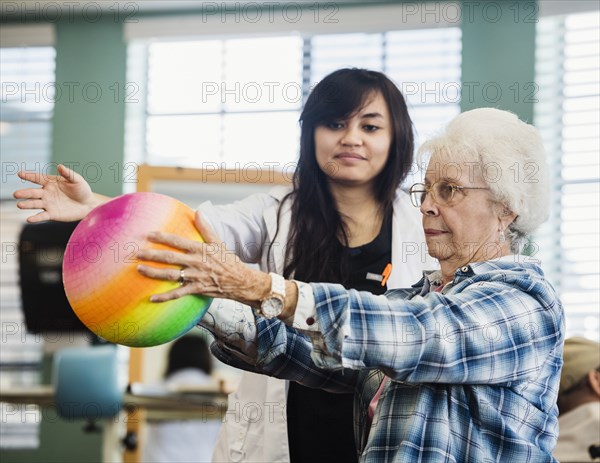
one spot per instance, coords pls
(86, 384)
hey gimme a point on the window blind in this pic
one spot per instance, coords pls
(567, 114)
(230, 102)
(27, 93)
(236, 103)
(26, 104)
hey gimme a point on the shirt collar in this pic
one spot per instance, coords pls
(432, 278)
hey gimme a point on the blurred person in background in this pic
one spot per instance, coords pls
(183, 441)
(579, 402)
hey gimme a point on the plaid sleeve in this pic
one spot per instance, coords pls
(493, 328)
(285, 353)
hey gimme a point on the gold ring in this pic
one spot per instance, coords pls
(181, 279)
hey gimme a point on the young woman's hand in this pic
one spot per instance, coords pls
(65, 197)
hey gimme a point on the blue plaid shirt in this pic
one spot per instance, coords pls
(474, 370)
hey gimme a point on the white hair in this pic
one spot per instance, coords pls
(511, 159)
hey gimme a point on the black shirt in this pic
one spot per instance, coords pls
(320, 423)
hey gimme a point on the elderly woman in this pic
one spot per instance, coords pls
(462, 367)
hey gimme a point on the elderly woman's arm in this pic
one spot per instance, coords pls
(290, 357)
(498, 326)
(499, 323)
(240, 226)
(232, 323)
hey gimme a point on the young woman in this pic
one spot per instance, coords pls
(344, 221)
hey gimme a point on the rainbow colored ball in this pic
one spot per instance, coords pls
(100, 273)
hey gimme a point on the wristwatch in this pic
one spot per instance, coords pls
(273, 304)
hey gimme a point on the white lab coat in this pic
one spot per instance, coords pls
(255, 428)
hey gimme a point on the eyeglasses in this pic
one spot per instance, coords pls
(441, 191)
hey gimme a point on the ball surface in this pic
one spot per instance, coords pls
(100, 274)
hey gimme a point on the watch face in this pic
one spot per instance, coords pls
(271, 307)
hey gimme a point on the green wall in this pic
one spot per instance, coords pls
(60, 442)
(499, 56)
(89, 117)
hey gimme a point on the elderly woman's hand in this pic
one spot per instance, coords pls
(209, 268)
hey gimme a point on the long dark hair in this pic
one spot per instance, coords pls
(316, 224)
(189, 352)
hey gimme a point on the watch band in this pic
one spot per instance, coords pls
(277, 285)
(273, 304)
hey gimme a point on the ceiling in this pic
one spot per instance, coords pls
(51, 8)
